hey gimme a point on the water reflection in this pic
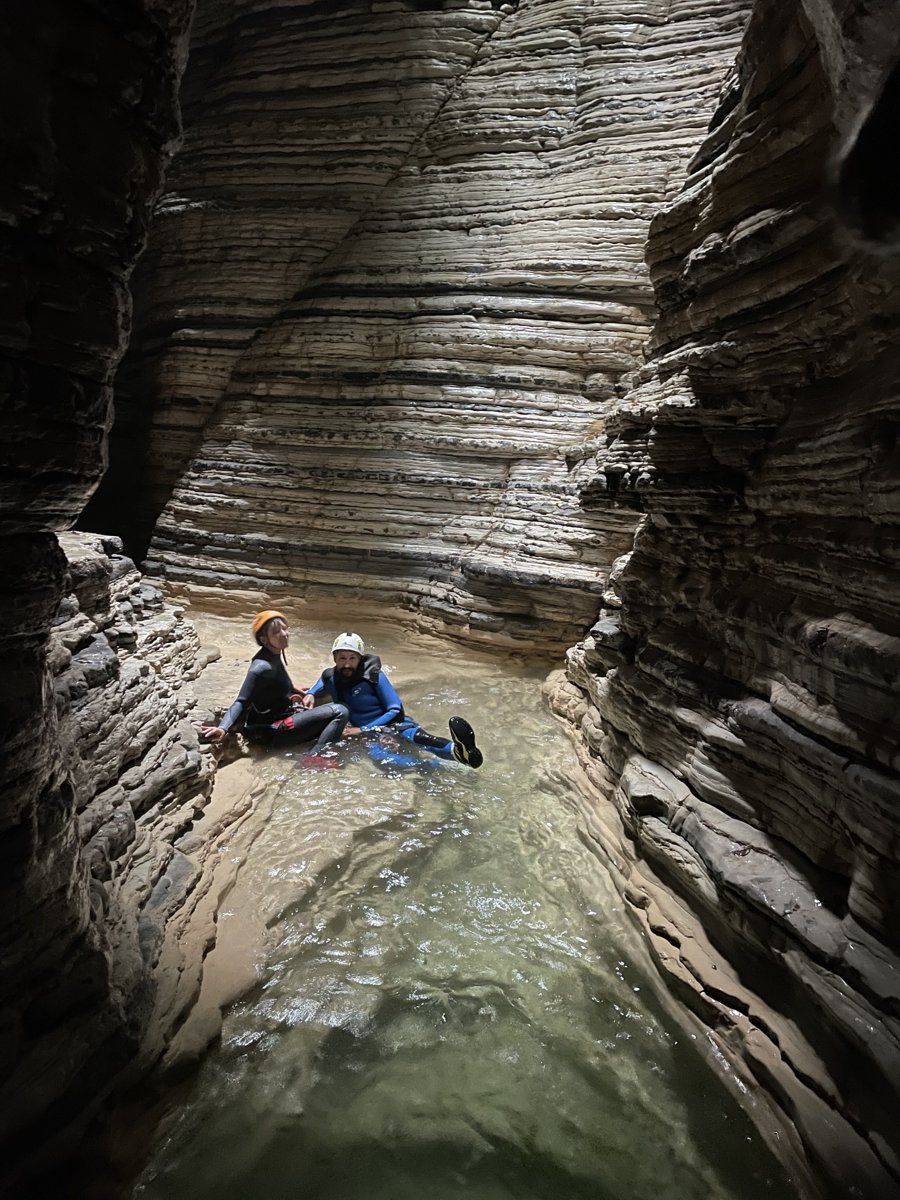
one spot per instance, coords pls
(451, 1003)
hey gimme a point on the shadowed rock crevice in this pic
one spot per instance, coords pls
(93, 753)
(868, 182)
(739, 692)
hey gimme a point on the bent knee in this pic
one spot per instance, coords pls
(340, 710)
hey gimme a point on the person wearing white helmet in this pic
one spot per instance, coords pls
(357, 681)
(348, 641)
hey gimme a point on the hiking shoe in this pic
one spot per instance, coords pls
(464, 748)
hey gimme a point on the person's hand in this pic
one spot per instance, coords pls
(351, 730)
(308, 701)
(213, 733)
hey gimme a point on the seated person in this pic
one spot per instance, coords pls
(357, 681)
(265, 707)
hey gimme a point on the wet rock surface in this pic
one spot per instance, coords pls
(738, 695)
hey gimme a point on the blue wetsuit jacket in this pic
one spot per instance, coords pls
(373, 704)
(369, 695)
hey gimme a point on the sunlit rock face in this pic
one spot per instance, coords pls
(396, 281)
(738, 695)
(89, 116)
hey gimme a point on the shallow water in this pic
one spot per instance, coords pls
(451, 1002)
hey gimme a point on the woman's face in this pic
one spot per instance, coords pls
(276, 635)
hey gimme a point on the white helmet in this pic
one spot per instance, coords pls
(348, 641)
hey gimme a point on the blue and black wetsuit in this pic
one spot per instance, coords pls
(263, 707)
(374, 704)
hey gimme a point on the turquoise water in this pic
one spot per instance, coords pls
(450, 1000)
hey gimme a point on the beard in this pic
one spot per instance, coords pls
(347, 672)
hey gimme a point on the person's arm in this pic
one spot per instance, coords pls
(317, 689)
(239, 707)
(391, 701)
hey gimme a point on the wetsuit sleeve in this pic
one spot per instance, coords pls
(391, 701)
(239, 707)
(321, 686)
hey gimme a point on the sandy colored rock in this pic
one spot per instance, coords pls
(383, 304)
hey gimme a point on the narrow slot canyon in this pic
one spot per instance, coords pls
(550, 345)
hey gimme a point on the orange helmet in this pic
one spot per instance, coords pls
(263, 618)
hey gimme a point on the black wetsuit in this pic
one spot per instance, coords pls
(263, 707)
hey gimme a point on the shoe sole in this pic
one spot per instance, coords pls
(464, 748)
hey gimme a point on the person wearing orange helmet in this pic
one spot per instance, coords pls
(268, 707)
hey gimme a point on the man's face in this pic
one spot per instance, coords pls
(345, 662)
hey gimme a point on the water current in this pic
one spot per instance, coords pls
(450, 1001)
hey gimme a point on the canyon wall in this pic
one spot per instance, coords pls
(390, 349)
(89, 749)
(394, 286)
(738, 695)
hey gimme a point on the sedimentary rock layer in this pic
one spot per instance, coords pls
(398, 274)
(88, 119)
(134, 781)
(739, 694)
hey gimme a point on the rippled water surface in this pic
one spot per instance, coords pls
(451, 1002)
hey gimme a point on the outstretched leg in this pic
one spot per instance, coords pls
(460, 746)
(387, 755)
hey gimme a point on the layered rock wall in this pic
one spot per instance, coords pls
(738, 696)
(397, 281)
(134, 781)
(89, 119)
(387, 350)
(118, 657)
